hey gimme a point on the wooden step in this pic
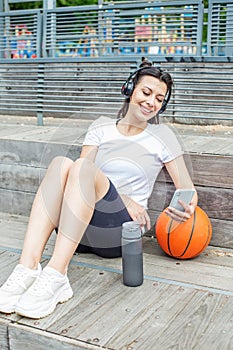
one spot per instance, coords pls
(185, 304)
(26, 151)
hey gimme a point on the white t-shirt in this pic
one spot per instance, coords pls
(132, 163)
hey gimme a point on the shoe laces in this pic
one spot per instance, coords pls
(16, 277)
(42, 284)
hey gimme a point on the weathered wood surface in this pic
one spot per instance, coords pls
(181, 305)
(13, 228)
(216, 202)
(21, 337)
(4, 343)
(207, 170)
(26, 151)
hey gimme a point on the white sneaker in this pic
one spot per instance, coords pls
(49, 289)
(15, 286)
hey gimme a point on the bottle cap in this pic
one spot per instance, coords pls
(131, 230)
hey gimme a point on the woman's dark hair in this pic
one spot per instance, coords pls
(152, 71)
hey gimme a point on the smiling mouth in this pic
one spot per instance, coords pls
(146, 110)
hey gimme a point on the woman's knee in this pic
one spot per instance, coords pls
(61, 164)
(83, 167)
(85, 171)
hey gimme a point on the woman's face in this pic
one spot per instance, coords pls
(147, 98)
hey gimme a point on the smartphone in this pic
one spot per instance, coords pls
(185, 195)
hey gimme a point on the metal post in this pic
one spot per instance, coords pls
(200, 28)
(116, 22)
(39, 35)
(209, 30)
(7, 37)
(51, 5)
(213, 40)
(6, 6)
(216, 30)
(100, 29)
(40, 94)
(1, 32)
(229, 30)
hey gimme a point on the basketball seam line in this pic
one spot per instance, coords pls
(191, 234)
(190, 238)
(206, 242)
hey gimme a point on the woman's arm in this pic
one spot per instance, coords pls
(136, 211)
(89, 152)
(181, 179)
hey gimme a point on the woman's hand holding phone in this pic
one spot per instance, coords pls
(182, 205)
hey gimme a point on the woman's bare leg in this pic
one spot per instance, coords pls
(86, 184)
(66, 199)
(45, 211)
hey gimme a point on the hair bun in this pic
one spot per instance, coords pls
(145, 63)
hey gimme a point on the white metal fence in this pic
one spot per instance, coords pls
(120, 28)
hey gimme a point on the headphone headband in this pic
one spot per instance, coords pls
(128, 87)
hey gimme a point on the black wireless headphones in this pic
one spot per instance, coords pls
(128, 87)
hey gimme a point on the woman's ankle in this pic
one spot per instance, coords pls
(32, 265)
(60, 269)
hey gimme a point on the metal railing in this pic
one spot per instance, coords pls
(89, 89)
(220, 28)
(165, 27)
(76, 90)
(203, 91)
(89, 51)
(20, 34)
(120, 28)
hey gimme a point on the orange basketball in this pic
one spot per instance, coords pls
(184, 240)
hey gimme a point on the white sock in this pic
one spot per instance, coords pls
(54, 272)
(32, 271)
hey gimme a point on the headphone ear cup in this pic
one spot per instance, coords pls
(127, 89)
(165, 102)
(163, 108)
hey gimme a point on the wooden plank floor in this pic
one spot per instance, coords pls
(181, 304)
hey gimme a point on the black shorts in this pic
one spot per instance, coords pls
(103, 234)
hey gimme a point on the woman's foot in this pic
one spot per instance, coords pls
(16, 285)
(49, 289)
